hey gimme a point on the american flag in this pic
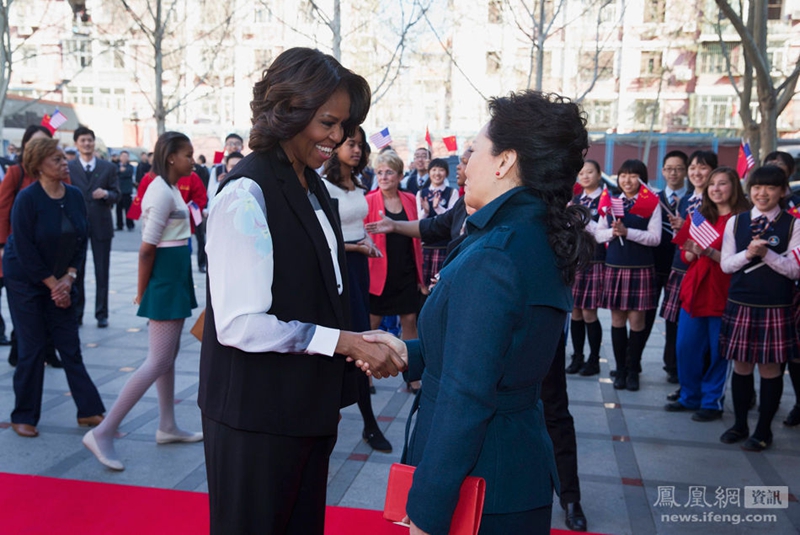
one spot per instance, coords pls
(617, 207)
(701, 231)
(796, 254)
(57, 119)
(745, 161)
(381, 139)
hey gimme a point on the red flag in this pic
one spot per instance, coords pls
(451, 143)
(646, 203)
(795, 211)
(428, 137)
(577, 189)
(46, 123)
(745, 162)
(218, 156)
(604, 204)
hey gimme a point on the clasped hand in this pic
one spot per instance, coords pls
(619, 229)
(377, 353)
(756, 249)
(59, 293)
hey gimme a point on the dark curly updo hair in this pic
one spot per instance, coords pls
(548, 133)
(294, 87)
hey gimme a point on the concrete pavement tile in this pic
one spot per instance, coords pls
(694, 465)
(590, 419)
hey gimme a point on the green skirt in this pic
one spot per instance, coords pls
(170, 293)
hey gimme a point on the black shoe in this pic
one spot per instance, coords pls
(377, 441)
(756, 444)
(576, 364)
(411, 388)
(592, 367)
(119, 228)
(54, 362)
(707, 415)
(372, 390)
(676, 406)
(574, 517)
(793, 418)
(612, 373)
(102, 323)
(733, 435)
(672, 378)
(674, 396)
(12, 361)
(4, 341)
(632, 381)
(619, 380)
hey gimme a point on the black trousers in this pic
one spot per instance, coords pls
(560, 425)
(35, 315)
(122, 211)
(265, 484)
(200, 234)
(533, 522)
(101, 253)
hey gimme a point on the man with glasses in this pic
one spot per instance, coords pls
(674, 171)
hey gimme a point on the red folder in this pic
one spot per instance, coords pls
(467, 516)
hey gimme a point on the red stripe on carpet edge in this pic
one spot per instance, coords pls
(37, 505)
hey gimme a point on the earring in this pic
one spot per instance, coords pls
(497, 173)
(173, 163)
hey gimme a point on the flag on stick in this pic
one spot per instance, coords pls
(646, 201)
(617, 207)
(57, 119)
(428, 138)
(450, 143)
(796, 254)
(381, 139)
(746, 161)
(701, 231)
(604, 204)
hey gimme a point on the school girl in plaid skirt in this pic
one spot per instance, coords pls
(432, 200)
(588, 286)
(758, 326)
(629, 287)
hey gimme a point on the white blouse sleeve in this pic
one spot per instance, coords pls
(602, 232)
(240, 274)
(729, 260)
(651, 236)
(158, 205)
(786, 265)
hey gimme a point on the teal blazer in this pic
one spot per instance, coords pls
(487, 335)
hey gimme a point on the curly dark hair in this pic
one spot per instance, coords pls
(294, 87)
(333, 169)
(548, 133)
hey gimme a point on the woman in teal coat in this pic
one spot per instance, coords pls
(489, 330)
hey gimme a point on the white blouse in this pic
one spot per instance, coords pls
(240, 274)
(352, 211)
(165, 216)
(651, 236)
(731, 261)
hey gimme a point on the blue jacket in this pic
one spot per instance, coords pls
(487, 335)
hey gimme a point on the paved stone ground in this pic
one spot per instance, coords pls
(628, 446)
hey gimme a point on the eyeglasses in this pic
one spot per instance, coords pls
(670, 170)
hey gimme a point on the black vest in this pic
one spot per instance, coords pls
(762, 287)
(683, 210)
(288, 394)
(665, 251)
(631, 254)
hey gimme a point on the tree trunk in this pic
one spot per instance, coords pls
(5, 59)
(158, 40)
(540, 47)
(336, 28)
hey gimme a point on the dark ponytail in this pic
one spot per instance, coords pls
(548, 133)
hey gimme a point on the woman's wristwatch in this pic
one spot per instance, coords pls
(73, 274)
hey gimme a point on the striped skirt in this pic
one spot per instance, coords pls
(629, 288)
(671, 305)
(587, 290)
(432, 260)
(758, 334)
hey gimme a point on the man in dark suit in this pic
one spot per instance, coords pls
(99, 183)
(418, 177)
(126, 191)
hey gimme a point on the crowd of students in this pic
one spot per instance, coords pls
(726, 264)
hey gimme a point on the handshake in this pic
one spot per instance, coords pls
(377, 353)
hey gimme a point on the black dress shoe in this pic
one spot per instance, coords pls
(676, 406)
(102, 323)
(574, 517)
(632, 382)
(620, 380)
(734, 435)
(592, 366)
(372, 390)
(793, 418)
(674, 396)
(377, 441)
(756, 444)
(707, 415)
(672, 378)
(576, 364)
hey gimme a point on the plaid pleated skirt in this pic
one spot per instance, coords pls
(758, 334)
(671, 305)
(432, 260)
(587, 290)
(629, 288)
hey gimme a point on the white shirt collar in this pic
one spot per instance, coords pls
(92, 162)
(679, 193)
(771, 215)
(593, 195)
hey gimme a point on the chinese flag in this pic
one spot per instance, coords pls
(577, 189)
(795, 211)
(604, 205)
(218, 157)
(646, 202)
(451, 143)
(46, 123)
(428, 137)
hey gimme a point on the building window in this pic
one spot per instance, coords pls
(262, 58)
(79, 52)
(712, 60)
(776, 57)
(599, 114)
(644, 112)
(493, 62)
(605, 64)
(774, 9)
(654, 10)
(715, 112)
(495, 12)
(650, 64)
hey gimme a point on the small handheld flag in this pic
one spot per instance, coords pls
(52, 122)
(796, 254)
(604, 204)
(646, 201)
(195, 212)
(617, 207)
(381, 139)
(745, 162)
(701, 231)
(428, 137)
(450, 143)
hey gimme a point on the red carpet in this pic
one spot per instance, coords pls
(43, 505)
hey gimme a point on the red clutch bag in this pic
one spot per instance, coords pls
(467, 516)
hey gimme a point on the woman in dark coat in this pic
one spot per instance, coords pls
(489, 329)
(273, 370)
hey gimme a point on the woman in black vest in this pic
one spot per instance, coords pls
(273, 374)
